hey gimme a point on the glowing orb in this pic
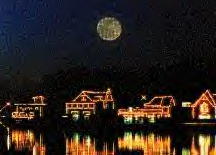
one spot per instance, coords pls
(109, 28)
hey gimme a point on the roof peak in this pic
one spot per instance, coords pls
(207, 91)
(96, 92)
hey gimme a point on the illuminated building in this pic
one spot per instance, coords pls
(87, 102)
(205, 106)
(29, 110)
(158, 107)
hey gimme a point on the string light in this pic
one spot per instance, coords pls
(156, 108)
(87, 101)
(143, 97)
(27, 111)
(201, 109)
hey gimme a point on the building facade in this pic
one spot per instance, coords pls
(88, 102)
(29, 110)
(158, 107)
(205, 106)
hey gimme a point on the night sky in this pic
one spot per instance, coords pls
(41, 36)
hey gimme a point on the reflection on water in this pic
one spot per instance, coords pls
(85, 145)
(128, 143)
(202, 145)
(25, 140)
(148, 144)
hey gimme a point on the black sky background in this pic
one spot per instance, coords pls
(166, 46)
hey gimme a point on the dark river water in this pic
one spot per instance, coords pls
(27, 141)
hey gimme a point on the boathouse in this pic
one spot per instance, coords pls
(88, 102)
(158, 107)
(29, 110)
(205, 106)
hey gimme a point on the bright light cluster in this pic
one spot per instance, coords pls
(29, 110)
(109, 28)
(87, 101)
(159, 106)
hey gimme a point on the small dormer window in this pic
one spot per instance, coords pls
(38, 99)
(83, 99)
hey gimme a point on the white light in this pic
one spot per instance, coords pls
(186, 104)
(204, 116)
(130, 109)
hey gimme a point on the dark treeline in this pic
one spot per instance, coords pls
(185, 80)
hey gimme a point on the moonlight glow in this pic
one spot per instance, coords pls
(109, 28)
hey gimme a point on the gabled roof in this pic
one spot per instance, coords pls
(206, 96)
(92, 96)
(159, 101)
(83, 94)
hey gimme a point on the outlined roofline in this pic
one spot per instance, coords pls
(207, 92)
(162, 98)
(86, 92)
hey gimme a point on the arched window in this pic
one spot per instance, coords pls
(204, 109)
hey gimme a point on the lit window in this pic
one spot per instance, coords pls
(74, 105)
(83, 99)
(80, 105)
(204, 109)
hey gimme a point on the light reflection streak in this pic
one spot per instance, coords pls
(26, 140)
(147, 144)
(202, 145)
(8, 139)
(77, 145)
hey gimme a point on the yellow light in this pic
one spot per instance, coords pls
(203, 105)
(109, 28)
(27, 111)
(186, 104)
(204, 109)
(204, 142)
(86, 102)
(148, 144)
(85, 146)
(150, 110)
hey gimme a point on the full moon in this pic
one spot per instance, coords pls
(109, 28)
